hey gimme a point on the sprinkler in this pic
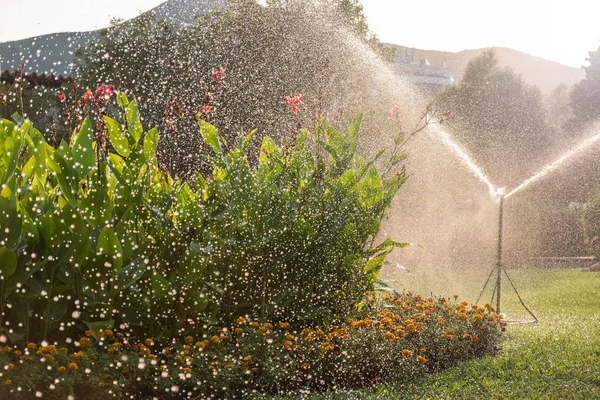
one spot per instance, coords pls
(499, 259)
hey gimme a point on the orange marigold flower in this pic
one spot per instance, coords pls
(76, 356)
(215, 339)
(477, 318)
(11, 366)
(284, 325)
(201, 345)
(31, 346)
(289, 337)
(84, 342)
(389, 336)
(149, 342)
(189, 339)
(73, 367)
(89, 333)
(421, 359)
(240, 320)
(187, 370)
(269, 326)
(325, 347)
(463, 317)
(407, 353)
(455, 296)
(61, 369)
(8, 382)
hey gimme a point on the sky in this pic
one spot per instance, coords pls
(558, 30)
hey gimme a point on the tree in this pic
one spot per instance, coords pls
(499, 118)
(585, 98)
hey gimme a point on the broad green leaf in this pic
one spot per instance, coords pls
(195, 302)
(122, 100)
(130, 274)
(371, 188)
(82, 148)
(160, 287)
(117, 137)
(108, 244)
(58, 309)
(211, 136)
(8, 262)
(134, 125)
(150, 145)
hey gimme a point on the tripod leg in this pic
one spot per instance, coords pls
(485, 286)
(519, 296)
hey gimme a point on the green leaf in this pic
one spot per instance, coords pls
(399, 158)
(371, 188)
(248, 140)
(399, 138)
(8, 262)
(160, 287)
(82, 148)
(117, 137)
(122, 100)
(211, 136)
(58, 309)
(130, 274)
(150, 145)
(108, 244)
(195, 302)
(134, 125)
(375, 263)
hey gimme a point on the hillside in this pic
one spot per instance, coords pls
(535, 70)
(54, 53)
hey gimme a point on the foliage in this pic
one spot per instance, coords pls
(499, 118)
(95, 235)
(585, 94)
(397, 338)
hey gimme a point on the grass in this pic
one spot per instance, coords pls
(557, 358)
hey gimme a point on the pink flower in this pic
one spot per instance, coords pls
(104, 92)
(220, 74)
(206, 109)
(294, 103)
(61, 97)
(395, 116)
(447, 115)
(88, 95)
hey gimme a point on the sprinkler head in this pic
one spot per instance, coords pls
(500, 193)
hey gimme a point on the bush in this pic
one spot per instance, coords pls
(395, 338)
(95, 235)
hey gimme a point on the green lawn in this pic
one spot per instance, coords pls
(558, 358)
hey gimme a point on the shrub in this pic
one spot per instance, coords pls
(94, 235)
(395, 338)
